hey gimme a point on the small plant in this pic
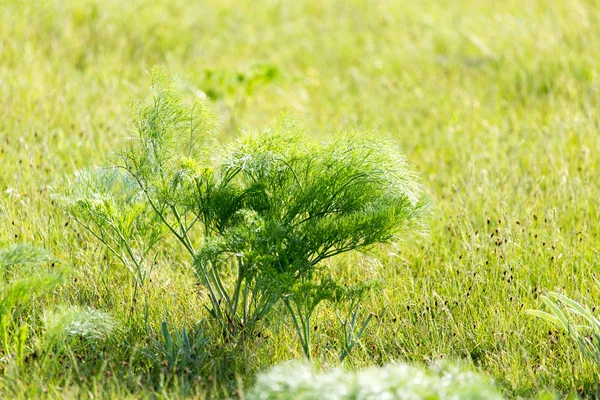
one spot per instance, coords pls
(73, 322)
(576, 319)
(73, 328)
(393, 381)
(109, 205)
(302, 302)
(24, 254)
(352, 328)
(179, 350)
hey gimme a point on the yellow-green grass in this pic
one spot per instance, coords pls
(495, 104)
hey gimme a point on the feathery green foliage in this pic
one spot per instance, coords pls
(24, 254)
(16, 296)
(109, 205)
(264, 214)
(290, 202)
(392, 381)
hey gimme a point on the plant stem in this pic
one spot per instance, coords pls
(302, 332)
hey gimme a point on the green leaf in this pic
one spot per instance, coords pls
(24, 254)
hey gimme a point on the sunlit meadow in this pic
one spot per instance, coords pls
(494, 105)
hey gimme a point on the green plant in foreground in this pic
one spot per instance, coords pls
(300, 202)
(576, 319)
(393, 381)
(260, 216)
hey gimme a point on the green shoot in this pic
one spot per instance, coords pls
(184, 351)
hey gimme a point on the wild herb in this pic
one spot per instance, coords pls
(258, 216)
(24, 254)
(72, 330)
(108, 204)
(74, 322)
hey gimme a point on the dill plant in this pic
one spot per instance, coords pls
(259, 216)
(294, 202)
(107, 203)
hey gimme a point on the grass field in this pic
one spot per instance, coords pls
(494, 104)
